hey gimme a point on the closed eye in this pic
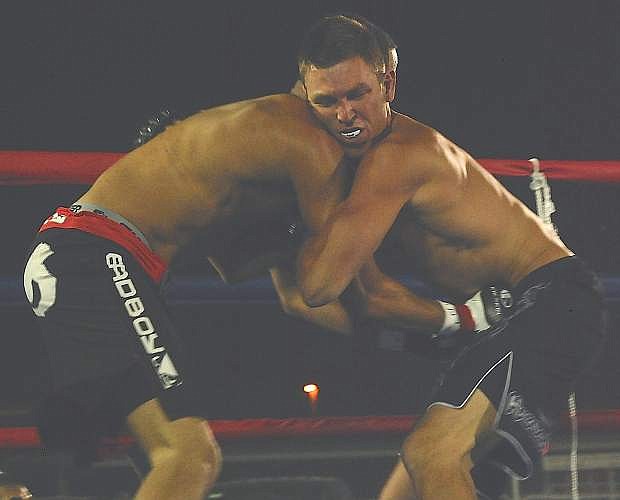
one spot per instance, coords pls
(324, 101)
(357, 94)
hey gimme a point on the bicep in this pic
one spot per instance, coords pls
(362, 220)
(353, 231)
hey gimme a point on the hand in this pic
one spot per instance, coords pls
(486, 309)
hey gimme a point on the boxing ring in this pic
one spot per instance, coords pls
(315, 455)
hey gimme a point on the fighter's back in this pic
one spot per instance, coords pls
(219, 165)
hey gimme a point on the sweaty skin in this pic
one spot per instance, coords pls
(461, 228)
(222, 169)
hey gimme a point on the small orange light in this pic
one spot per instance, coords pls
(312, 392)
(311, 388)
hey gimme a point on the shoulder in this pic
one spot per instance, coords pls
(414, 137)
(283, 106)
(406, 152)
(289, 114)
(413, 158)
(422, 148)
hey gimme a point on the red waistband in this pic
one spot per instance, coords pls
(100, 225)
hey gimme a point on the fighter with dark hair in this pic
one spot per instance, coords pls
(93, 276)
(532, 310)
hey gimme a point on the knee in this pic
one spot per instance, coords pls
(292, 304)
(207, 455)
(425, 452)
(192, 449)
(203, 451)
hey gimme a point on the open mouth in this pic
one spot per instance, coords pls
(351, 133)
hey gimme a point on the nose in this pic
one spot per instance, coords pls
(345, 112)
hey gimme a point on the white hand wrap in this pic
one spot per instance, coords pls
(478, 313)
(451, 320)
(484, 310)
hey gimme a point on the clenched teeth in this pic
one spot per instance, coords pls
(351, 134)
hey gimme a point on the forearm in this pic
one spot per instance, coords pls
(328, 262)
(315, 279)
(333, 316)
(395, 306)
(398, 307)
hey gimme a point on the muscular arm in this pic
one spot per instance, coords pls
(330, 259)
(333, 316)
(395, 305)
(373, 296)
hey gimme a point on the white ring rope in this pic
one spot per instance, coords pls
(545, 208)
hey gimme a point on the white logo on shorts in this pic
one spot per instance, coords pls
(37, 273)
(142, 324)
(165, 369)
(531, 423)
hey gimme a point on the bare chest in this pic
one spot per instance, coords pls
(454, 264)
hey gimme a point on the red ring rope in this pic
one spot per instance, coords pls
(52, 167)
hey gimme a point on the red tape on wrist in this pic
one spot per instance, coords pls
(467, 320)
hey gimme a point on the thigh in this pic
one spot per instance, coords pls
(81, 316)
(110, 341)
(497, 367)
(459, 427)
(444, 435)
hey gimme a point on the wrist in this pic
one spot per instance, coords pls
(476, 309)
(459, 317)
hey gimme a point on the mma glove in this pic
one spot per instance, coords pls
(487, 309)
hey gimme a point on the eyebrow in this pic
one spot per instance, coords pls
(361, 87)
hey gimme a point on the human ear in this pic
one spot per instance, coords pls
(389, 86)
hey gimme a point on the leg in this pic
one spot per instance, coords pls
(436, 460)
(185, 458)
(399, 485)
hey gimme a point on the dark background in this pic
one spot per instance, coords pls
(537, 78)
(502, 80)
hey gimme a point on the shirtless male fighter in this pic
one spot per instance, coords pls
(269, 241)
(256, 248)
(93, 274)
(467, 237)
(104, 322)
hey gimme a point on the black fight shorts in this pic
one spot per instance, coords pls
(528, 366)
(111, 346)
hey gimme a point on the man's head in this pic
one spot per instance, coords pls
(386, 42)
(349, 77)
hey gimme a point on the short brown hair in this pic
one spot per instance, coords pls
(384, 39)
(334, 39)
